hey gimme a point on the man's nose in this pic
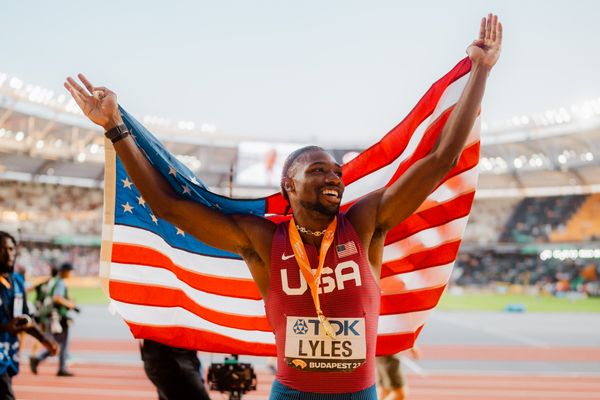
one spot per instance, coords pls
(333, 178)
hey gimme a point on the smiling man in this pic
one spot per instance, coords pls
(318, 273)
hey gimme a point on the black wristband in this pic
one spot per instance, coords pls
(117, 133)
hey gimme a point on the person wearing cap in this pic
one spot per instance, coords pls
(59, 322)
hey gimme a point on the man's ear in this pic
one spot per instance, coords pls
(288, 184)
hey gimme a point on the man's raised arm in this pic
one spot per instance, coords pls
(210, 226)
(388, 207)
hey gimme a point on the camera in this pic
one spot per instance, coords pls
(232, 377)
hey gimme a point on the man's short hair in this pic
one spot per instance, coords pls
(5, 235)
(289, 161)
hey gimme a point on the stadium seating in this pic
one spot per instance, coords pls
(536, 217)
(50, 210)
(487, 220)
(584, 225)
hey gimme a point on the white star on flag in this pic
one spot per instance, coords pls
(180, 232)
(126, 183)
(194, 180)
(154, 219)
(186, 189)
(141, 201)
(172, 171)
(127, 208)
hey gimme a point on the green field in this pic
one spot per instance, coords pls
(448, 302)
(499, 302)
(87, 296)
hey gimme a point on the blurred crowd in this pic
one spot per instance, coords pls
(36, 259)
(48, 209)
(549, 276)
(40, 213)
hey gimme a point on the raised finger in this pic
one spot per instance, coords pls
(88, 85)
(76, 86)
(499, 35)
(78, 97)
(482, 29)
(494, 27)
(488, 26)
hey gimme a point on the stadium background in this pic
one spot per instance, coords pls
(521, 315)
(532, 243)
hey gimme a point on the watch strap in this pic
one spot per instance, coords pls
(117, 133)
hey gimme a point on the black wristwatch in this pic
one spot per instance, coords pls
(117, 133)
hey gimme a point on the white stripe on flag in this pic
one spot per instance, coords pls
(381, 177)
(160, 277)
(228, 267)
(180, 317)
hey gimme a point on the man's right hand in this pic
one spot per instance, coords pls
(18, 324)
(98, 103)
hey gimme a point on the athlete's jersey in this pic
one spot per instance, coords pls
(308, 360)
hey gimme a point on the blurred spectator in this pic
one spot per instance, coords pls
(59, 322)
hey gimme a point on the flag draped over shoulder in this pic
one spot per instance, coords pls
(170, 287)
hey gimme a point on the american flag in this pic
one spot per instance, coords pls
(346, 249)
(170, 287)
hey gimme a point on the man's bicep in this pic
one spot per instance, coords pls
(410, 190)
(208, 225)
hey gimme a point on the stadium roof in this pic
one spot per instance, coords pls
(44, 137)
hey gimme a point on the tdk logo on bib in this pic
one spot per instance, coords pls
(308, 348)
(300, 327)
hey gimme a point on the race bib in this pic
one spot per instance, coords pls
(308, 348)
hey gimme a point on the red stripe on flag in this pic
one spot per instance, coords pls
(395, 343)
(157, 296)
(431, 257)
(435, 216)
(197, 339)
(229, 286)
(410, 301)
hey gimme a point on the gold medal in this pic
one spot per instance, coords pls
(327, 327)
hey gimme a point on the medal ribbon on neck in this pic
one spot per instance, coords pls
(313, 279)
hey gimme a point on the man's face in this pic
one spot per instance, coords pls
(8, 255)
(317, 182)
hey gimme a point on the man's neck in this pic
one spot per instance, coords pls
(314, 222)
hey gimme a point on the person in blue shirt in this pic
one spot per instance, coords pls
(14, 317)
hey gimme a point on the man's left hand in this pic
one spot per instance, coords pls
(486, 49)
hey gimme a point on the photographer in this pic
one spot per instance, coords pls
(59, 320)
(14, 317)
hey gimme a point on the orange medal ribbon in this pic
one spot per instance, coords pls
(313, 279)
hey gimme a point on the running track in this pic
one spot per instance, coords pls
(126, 380)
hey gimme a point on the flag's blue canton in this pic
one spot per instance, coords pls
(131, 210)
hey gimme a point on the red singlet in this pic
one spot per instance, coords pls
(307, 359)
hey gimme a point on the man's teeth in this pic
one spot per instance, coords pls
(330, 192)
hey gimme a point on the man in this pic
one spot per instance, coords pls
(59, 320)
(14, 317)
(175, 372)
(390, 377)
(312, 184)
